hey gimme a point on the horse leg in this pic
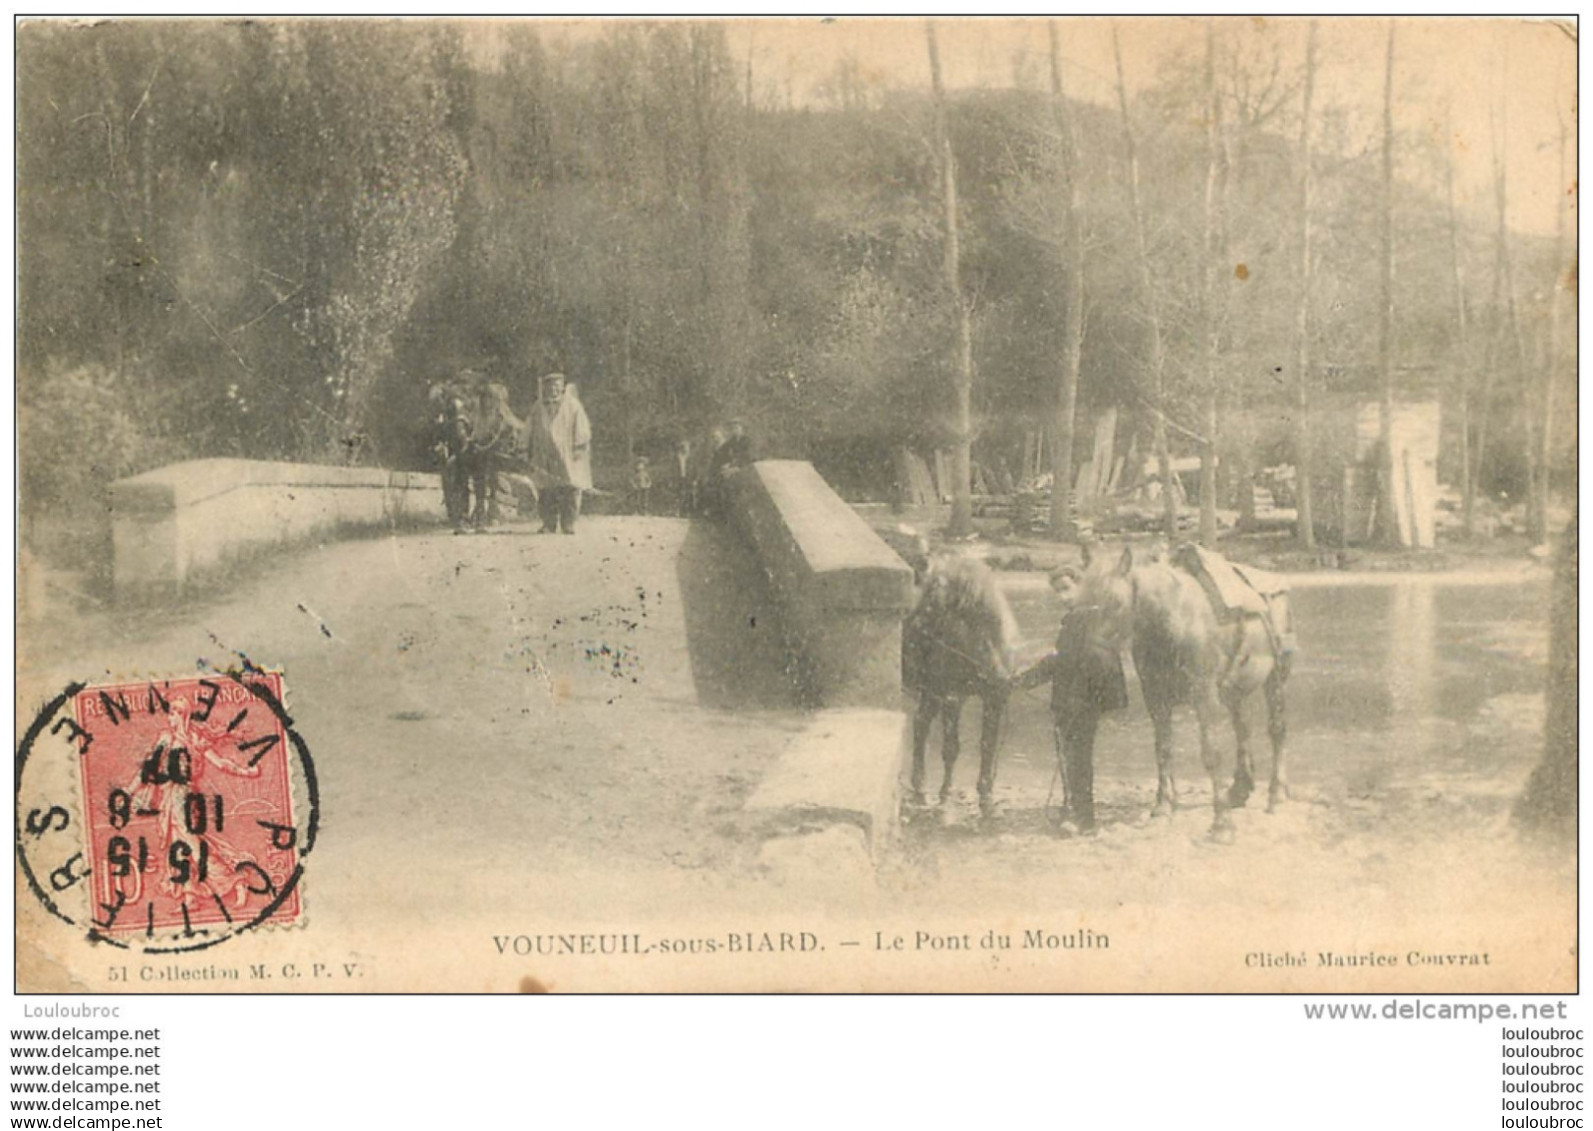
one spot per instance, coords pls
(1161, 714)
(456, 493)
(950, 741)
(923, 721)
(1244, 772)
(462, 496)
(478, 488)
(1277, 730)
(992, 707)
(490, 473)
(1206, 705)
(489, 491)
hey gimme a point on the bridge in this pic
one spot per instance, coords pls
(648, 703)
(619, 731)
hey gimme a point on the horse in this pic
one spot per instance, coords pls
(1188, 651)
(481, 438)
(500, 441)
(451, 431)
(958, 642)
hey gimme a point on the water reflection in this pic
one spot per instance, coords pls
(1393, 673)
(1413, 649)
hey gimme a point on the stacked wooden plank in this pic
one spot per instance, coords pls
(913, 479)
(1415, 442)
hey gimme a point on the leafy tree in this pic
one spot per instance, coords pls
(264, 239)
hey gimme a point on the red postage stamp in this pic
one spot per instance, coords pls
(188, 805)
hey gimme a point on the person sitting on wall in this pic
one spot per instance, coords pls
(732, 455)
(685, 487)
(642, 486)
(736, 451)
(704, 492)
(561, 454)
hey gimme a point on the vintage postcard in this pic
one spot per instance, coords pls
(792, 505)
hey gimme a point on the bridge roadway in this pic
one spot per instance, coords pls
(486, 711)
(521, 735)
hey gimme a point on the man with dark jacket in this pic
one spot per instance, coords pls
(732, 455)
(1086, 681)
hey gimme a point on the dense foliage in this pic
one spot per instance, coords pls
(266, 238)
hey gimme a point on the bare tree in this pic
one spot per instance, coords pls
(1387, 516)
(962, 472)
(718, 120)
(1548, 804)
(1158, 349)
(1462, 375)
(1212, 261)
(1507, 339)
(1073, 331)
(1518, 348)
(1564, 272)
(1491, 362)
(1302, 312)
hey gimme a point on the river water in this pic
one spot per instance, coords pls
(1410, 682)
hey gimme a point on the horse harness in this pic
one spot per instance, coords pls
(1238, 617)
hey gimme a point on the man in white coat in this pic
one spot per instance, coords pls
(561, 454)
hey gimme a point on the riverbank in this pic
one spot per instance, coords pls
(1498, 558)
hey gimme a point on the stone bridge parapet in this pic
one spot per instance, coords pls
(170, 525)
(841, 591)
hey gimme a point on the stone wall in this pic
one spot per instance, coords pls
(170, 525)
(841, 591)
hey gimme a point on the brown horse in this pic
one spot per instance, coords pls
(481, 439)
(500, 443)
(957, 643)
(1187, 651)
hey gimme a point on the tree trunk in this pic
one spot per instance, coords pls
(1302, 315)
(627, 390)
(1212, 284)
(1462, 376)
(961, 472)
(1244, 479)
(1564, 272)
(1387, 514)
(1504, 280)
(718, 120)
(1158, 355)
(1549, 802)
(1496, 304)
(1062, 524)
(113, 219)
(1518, 347)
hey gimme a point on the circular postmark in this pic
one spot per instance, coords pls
(167, 815)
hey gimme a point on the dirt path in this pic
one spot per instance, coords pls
(487, 710)
(519, 734)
